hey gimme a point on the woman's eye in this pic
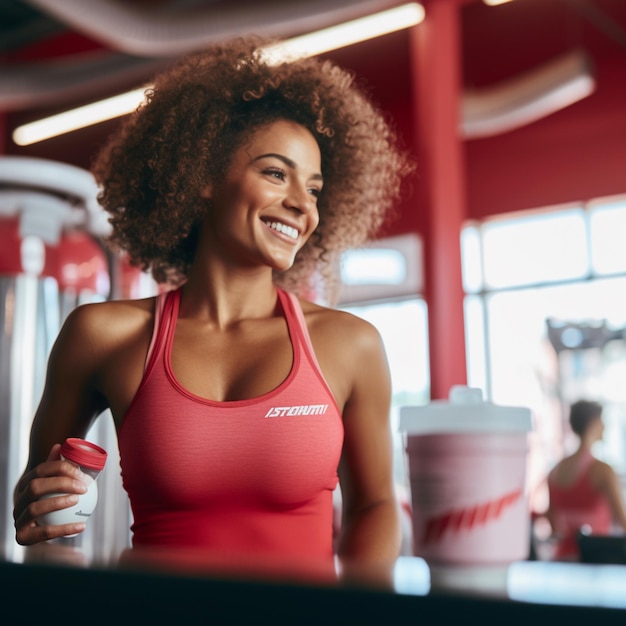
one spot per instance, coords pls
(275, 173)
(315, 192)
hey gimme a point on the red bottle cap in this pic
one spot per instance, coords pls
(84, 453)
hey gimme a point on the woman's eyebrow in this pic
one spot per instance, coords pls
(287, 161)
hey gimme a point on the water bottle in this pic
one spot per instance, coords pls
(91, 460)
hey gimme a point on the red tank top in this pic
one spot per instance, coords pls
(247, 477)
(577, 505)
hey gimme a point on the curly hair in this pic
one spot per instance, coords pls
(199, 111)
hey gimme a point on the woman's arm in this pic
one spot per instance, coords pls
(69, 404)
(370, 537)
(610, 486)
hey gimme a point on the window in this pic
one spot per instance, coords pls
(524, 274)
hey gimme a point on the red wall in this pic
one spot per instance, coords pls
(576, 154)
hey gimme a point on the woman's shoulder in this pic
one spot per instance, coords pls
(112, 309)
(350, 351)
(103, 321)
(331, 326)
(565, 472)
(601, 472)
(555, 473)
(333, 318)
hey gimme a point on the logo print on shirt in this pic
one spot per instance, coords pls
(303, 409)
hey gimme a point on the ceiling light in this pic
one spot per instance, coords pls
(346, 34)
(494, 3)
(80, 117)
(324, 40)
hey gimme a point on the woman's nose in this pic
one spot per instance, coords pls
(301, 199)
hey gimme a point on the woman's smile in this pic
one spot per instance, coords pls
(283, 229)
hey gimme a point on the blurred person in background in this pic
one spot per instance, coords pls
(584, 492)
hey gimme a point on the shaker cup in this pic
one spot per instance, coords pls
(91, 460)
(467, 463)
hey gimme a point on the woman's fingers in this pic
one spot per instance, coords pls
(30, 533)
(51, 477)
(51, 486)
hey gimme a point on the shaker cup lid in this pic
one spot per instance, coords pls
(466, 412)
(84, 453)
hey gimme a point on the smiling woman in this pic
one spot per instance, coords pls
(200, 111)
(239, 405)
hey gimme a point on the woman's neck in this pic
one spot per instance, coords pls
(228, 297)
(584, 449)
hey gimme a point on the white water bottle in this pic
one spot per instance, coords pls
(91, 460)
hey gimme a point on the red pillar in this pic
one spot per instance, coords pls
(437, 80)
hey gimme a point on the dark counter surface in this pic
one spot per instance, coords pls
(55, 590)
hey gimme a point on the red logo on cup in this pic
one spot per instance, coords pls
(467, 518)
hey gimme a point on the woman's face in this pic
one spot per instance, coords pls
(265, 208)
(596, 427)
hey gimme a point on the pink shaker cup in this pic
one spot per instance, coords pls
(467, 462)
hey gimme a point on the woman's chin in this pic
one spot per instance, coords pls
(282, 265)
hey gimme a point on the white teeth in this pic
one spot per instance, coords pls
(290, 231)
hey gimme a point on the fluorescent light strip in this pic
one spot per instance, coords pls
(332, 38)
(495, 3)
(346, 34)
(81, 117)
